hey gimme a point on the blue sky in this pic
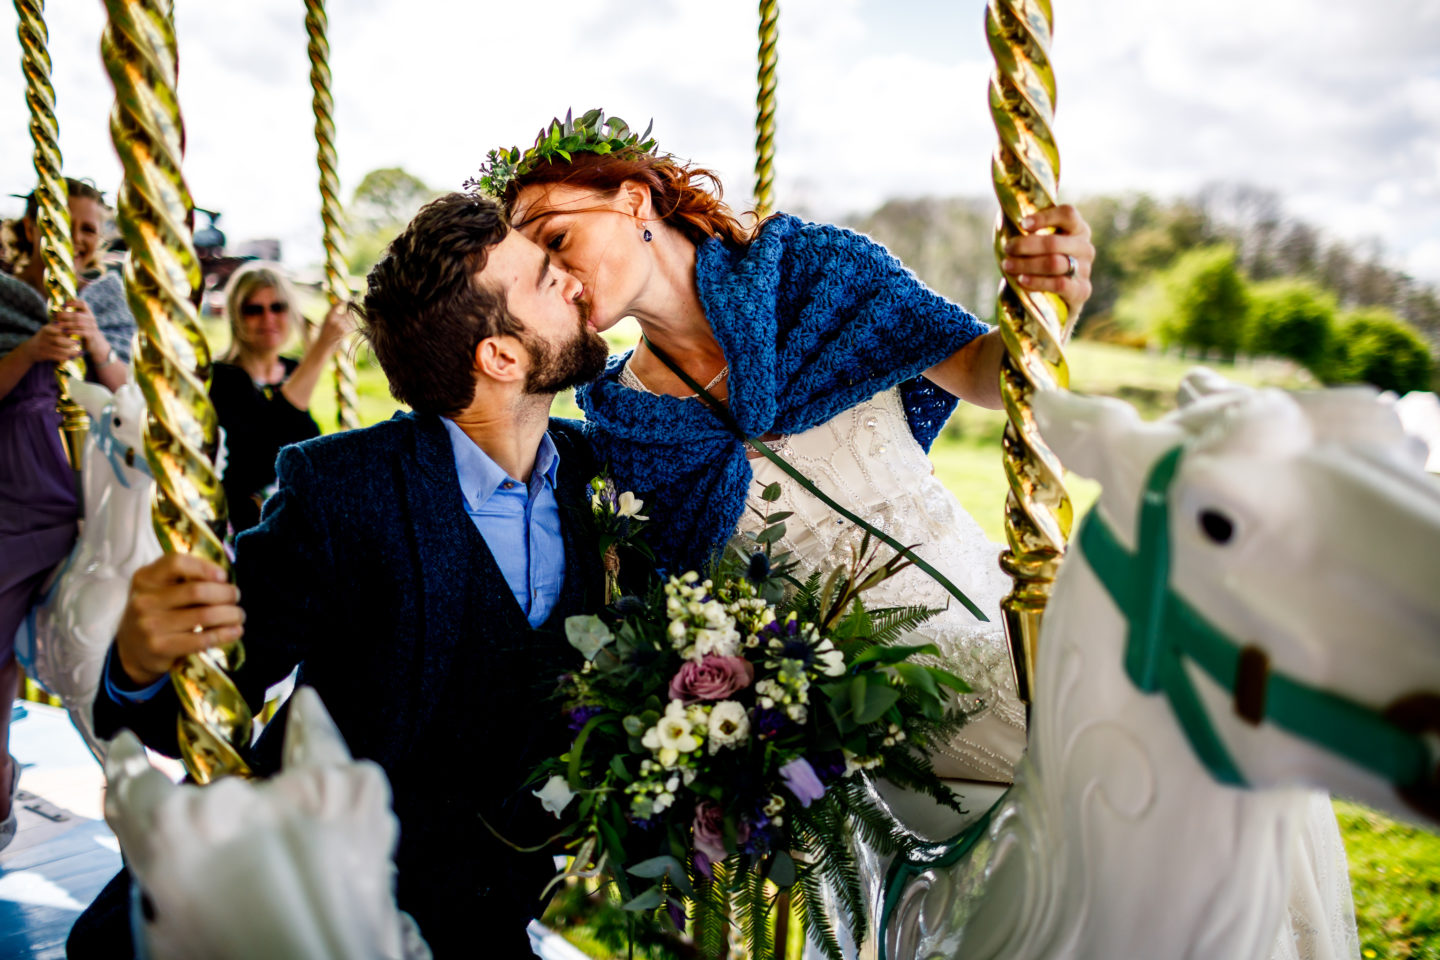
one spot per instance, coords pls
(1334, 104)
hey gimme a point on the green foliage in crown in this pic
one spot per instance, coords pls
(591, 133)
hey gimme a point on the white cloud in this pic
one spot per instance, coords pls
(1333, 104)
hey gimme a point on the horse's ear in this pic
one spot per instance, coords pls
(1082, 429)
(1200, 382)
(134, 791)
(92, 396)
(311, 737)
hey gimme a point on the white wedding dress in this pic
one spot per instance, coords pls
(868, 461)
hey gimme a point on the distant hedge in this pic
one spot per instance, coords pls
(1373, 345)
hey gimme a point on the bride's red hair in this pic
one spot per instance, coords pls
(678, 191)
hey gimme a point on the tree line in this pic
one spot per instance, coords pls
(1222, 273)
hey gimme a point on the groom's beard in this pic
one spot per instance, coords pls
(578, 360)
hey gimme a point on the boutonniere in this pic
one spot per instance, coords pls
(618, 522)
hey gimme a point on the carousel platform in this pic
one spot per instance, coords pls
(63, 852)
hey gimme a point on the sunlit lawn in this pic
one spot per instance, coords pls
(1395, 869)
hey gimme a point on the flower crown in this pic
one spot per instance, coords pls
(592, 133)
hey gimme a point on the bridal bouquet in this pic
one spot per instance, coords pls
(722, 727)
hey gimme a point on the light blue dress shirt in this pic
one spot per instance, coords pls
(520, 522)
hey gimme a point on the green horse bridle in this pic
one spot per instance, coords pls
(1164, 632)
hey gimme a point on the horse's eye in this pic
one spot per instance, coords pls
(1216, 526)
(117, 421)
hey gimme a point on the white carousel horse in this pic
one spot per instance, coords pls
(1420, 413)
(64, 640)
(298, 865)
(1250, 610)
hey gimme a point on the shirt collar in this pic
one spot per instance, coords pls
(481, 476)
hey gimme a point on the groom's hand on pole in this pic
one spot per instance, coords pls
(178, 605)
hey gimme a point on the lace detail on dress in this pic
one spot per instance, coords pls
(868, 460)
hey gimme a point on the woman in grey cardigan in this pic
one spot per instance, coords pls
(38, 506)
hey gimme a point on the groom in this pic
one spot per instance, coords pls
(419, 573)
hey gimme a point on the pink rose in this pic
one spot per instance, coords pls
(713, 678)
(710, 835)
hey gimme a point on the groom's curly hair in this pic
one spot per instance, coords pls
(423, 312)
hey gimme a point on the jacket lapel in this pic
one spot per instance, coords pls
(444, 551)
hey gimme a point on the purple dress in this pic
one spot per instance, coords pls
(38, 506)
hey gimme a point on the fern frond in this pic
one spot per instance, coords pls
(891, 623)
(810, 901)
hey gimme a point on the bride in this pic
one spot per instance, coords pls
(820, 343)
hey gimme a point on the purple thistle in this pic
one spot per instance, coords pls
(577, 718)
(829, 765)
(769, 723)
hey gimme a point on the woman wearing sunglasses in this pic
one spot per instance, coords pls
(261, 398)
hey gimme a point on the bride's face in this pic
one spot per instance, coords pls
(595, 237)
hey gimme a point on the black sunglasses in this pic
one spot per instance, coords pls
(258, 309)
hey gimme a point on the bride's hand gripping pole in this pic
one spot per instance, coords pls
(1026, 171)
(172, 363)
(337, 287)
(52, 217)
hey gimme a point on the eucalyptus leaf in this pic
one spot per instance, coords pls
(879, 697)
(893, 653)
(654, 867)
(588, 634)
(918, 677)
(949, 679)
(648, 900)
(782, 870)
(771, 493)
(770, 534)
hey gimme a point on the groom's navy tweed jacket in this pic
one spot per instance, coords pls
(366, 572)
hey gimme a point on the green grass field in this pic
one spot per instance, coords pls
(1395, 869)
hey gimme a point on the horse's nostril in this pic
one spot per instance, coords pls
(1217, 526)
(147, 907)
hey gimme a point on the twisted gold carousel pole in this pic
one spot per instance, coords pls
(1026, 170)
(336, 283)
(765, 110)
(52, 218)
(172, 363)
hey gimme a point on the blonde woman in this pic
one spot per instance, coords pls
(261, 397)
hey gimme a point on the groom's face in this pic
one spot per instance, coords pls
(564, 348)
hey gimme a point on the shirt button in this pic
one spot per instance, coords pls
(508, 484)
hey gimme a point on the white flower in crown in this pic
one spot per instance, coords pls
(729, 725)
(555, 796)
(630, 505)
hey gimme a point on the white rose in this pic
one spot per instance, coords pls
(722, 642)
(729, 725)
(556, 795)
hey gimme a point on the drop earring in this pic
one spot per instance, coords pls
(647, 235)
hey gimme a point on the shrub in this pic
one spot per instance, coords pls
(1373, 345)
(1206, 302)
(1291, 318)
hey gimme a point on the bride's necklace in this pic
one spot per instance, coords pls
(631, 379)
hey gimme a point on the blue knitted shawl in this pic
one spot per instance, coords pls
(813, 319)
